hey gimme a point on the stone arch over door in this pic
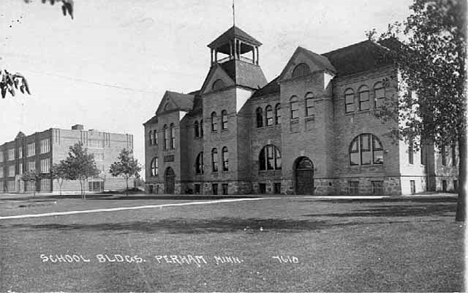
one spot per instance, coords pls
(304, 176)
(169, 181)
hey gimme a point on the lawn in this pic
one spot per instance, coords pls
(269, 244)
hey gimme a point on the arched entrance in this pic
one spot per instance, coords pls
(169, 181)
(304, 176)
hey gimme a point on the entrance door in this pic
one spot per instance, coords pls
(169, 181)
(304, 176)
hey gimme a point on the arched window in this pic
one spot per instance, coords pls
(224, 119)
(218, 84)
(269, 158)
(225, 158)
(379, 95)
(214, 122)
(294, 105)
(309, 102)
(201, 128)
(301, 70)
(278, 114)
(269, 115)
(154, 167)
(172, 136)
(151, 137)
(259, 115)
(199, 164)
(166, 136)
(214, 160)
(349, 101)
(363, 98)
(196, 128)
(365, 149)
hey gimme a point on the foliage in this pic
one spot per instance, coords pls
(60, 173)
(10, 82)
(67, 5)
(429, 50)
(32, 176)
(127, 166)
(80, 165)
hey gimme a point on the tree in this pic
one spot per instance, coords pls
(80, 165)
(32, 176)
(127, 166)
(429, 50)
(60, 173)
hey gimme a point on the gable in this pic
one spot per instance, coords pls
(216, 80)
(173, 101)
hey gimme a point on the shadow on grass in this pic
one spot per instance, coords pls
(388, 199)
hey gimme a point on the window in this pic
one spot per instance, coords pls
(269, 158)
(278, 114)
(349, 101)
(218, 84)
(225, 188)
(166, 137)
(11, 154)
(411, 152)
(214, 160)
(154, 167)
(199, 163)
(151, 137)
(363, 98)
(173, 138)
(196, 128)
(309, 104)
(277, 188)
(259, 115)
(353, 187)
(365, 149)
(1, 172)
(443, 154)
(214, 188)
(377, 187)
(413, 186)
(224, 119)
(45, 185)
(301, 69)
(269, 115)
(20, 152)
(454, 156)
(379, 95)
(92, 143)
(455, 185)
(444, 185)
(45, 166)
(225, 158)
(294, 104)
(32, 166)
(20, 169)
(214, 122)
(262, 188)
(1, 156)
(155, 137)
(201, 128)
(11, 171)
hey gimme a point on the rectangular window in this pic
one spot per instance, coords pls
(366, 154)
(413, 186)
(214, 189)
(270, 158)
(45, 146)
(225, 188)
(277, 188)
(197, 188)
(20, 152)
(2, 187)
(377, 187)
(11, 186)
(1, 156)
(262, 188)
(411, 153)
(379, 97)
(11, 171)
(353, 187)
(20, 169)
(11, 154)
(31, 166)
(444, 185)
(363, 101)
(454, 156)
(45, 166)
(45, 185)
(95, 143)
(1, 172)
(309, 107)
(349, 103)
(31, 149)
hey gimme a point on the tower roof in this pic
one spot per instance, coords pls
(234, 33)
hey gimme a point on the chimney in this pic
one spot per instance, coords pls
(77, 127)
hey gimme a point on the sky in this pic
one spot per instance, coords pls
(109, 67)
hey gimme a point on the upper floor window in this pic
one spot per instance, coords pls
(225, 158)
(173, 136)
(196, 128)
(214, 160)
(349, 101)
(32, 166)
(155, 137)
(11, 154)
(301, 70)
(259, 115)
(278, 114)
(1, 175)
(45, 166)
(166, 136)
(1, 156)
(309, 104)
(269, 158)
(218, 84)
(214, 122)
(31, 149)
(269, 115)
(224, 119)
(199, 164)
(294, 103)
(365, 149)
(363, 98)
(379, 95)
(11, 171)
(150, 137)
(154, 167)
(20, 152)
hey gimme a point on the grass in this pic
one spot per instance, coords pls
(341, 245)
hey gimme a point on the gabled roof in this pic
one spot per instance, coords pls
(234, 33)
(359, 57)
(245, 74)
(271, 88)
(322, 60)
(182, 102)
(153, 120)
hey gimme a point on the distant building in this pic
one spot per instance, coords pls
(41, 150)
(311, 130)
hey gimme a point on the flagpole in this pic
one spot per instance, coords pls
(233, 13)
